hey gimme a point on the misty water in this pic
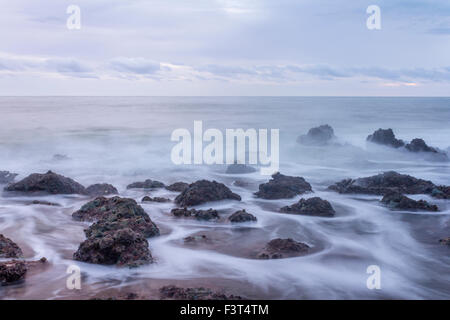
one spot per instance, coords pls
(120, 140)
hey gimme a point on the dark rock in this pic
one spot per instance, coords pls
(283, 248)
(283, 187)
(8, 249)
(385, 137)
(196, 239)
(178, 186)
(113, 214)
(123, 247)
(48, 183)
(318, 136)
(101, 189)
(419, 145)
(176, 293)
(7, 177)
(207, 215)
(155, 199)
(241, 216)
(147, 184)
(441, 192)
(384, 183)
(44, 203)
(205, 191)
(311, 207)
(12, 271)
(445, 241)
(238, 168)
(396, 200)
(60, 157)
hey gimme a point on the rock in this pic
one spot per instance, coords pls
(101, 189)
(60, 157)
(48, 183)
(147, 184)
(419, 145)
(44, 203)
(178, 186)
(8, 249)
(283, 248)
(176, 293)
(396, 200)
(7, 177)
(311, 207)
(113, 214)
(385, 137)
(441, 192)
(283, 187)
(123, 247)
(241, 216)
(205, 191)
(196, 239)
(384, 183)
(155, 199)
(318, 136)
(12, 271)
(207, 215)
(238, 168)
(445, 241)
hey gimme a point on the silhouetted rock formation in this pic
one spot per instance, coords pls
(101, 189)
(147, 184)
(205, 191)
(396, 200)
(283, 248)
(283, 187)
(311, 207)
(385, 137)
(241, 216)
(206, 215)
(318, 136)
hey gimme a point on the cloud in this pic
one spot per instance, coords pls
(138, 66)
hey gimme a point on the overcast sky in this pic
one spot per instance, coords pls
(225, 47)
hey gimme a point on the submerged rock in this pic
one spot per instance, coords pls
(196, 239)
(44, 203)
(445, 241)
(7, 177)
(101, 189)
(396, 200)
(311, 207)
(113, 214)
(9, 249)
(318, 136)
(283, 187)
(238, 168)
(123, 247)
(384, 183)
(60, 157)
(205, 191)
(155, 199)
(441, 192)
(241, 216)
(177, 293)
(12, 271)
(283, 248)
(385, 137)
(178, 186)
(206, 215)
(48, 183)
(147, 184)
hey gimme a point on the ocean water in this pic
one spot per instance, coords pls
(120, 140)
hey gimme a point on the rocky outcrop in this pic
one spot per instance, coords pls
(8, 249)
(397, 201)
(7, 177)
(101, 189)
(205, 215)
(242, 216)
(318, 136)
(445, 241)
(147, 184)
(385, 137)
(283, 248)
(49, 182)
(196, 239)
(178, 186)
(122, 247)
(383, 183)
(155, 199)
(12, 271)
(283, 187)
(441, 192)
(205, 191)
(118, 235)
(238, 168)
(311, 207)
(177, 293)
(419, 145)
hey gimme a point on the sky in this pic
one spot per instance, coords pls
(225, 48)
